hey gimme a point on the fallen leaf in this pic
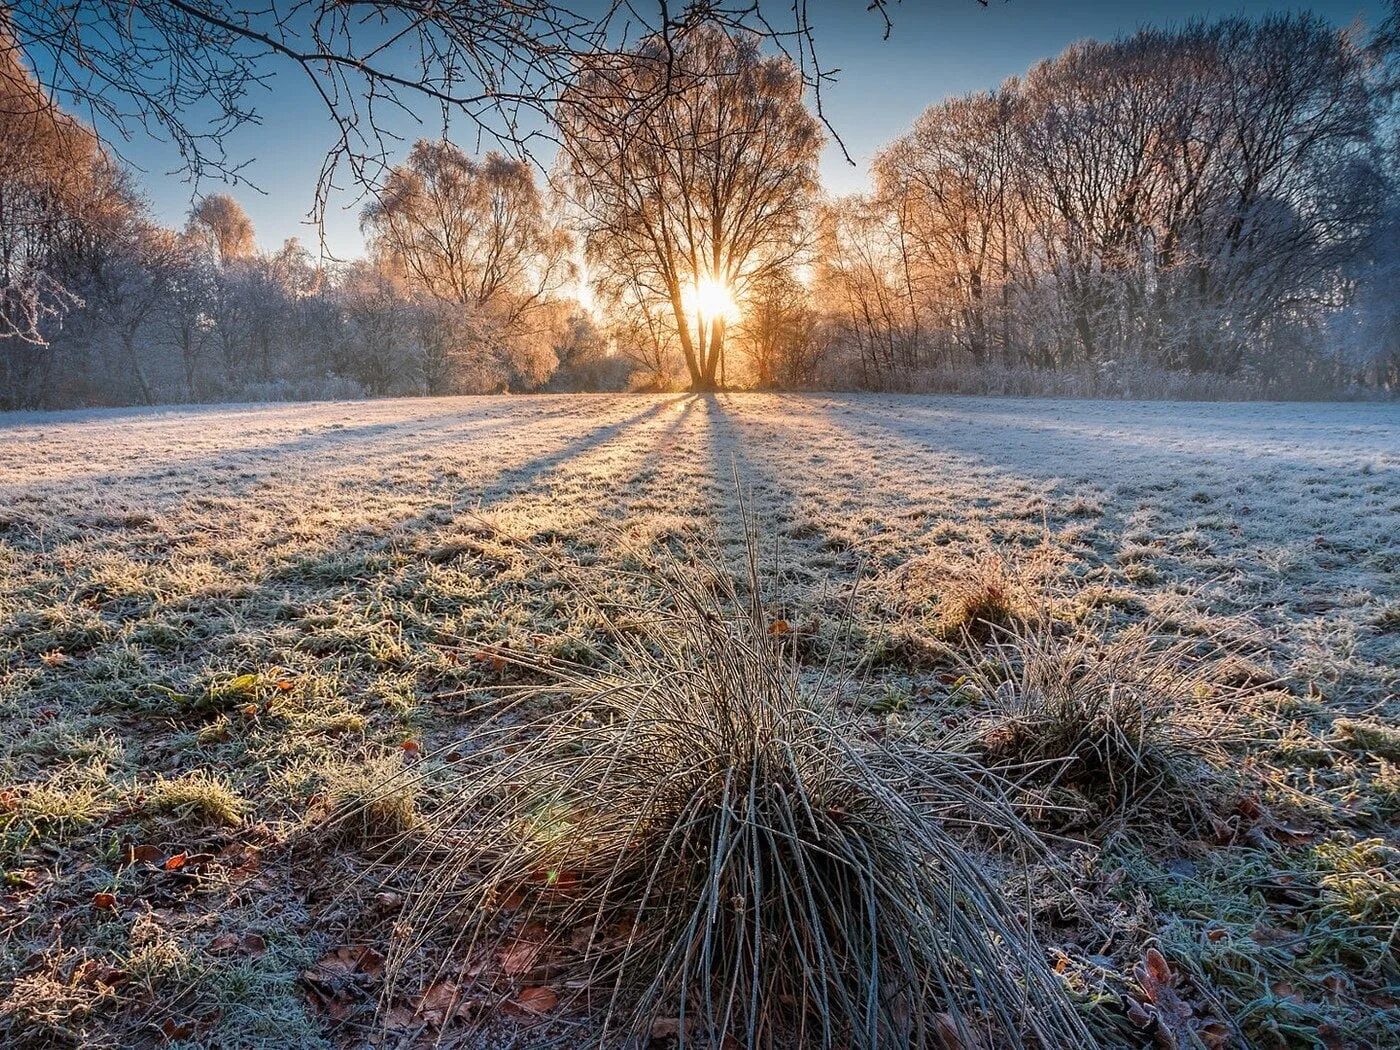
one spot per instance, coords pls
(668, 1027)
(1154, 975)
(224, 943)
(439, 1003)
(519, 957)
(537, 1000)
(145, 853)
(254, 944)
(174, 1029)
(779, 627)
(347, 961)
(174, 863)
(104, 901)
(92, 972)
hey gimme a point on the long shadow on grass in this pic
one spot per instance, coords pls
(511, 482)
(1064, 438)
(811, 555)
(330, 446)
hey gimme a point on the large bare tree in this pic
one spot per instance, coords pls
(693, 168)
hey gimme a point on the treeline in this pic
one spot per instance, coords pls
(1203, 211)
(1215, 199)
(99, 304)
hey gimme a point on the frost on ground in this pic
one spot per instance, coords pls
(219, 624)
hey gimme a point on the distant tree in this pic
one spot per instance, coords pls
(778, 332)
(221, 222)
(377, 344)
(857, 283)
(1185, 197)
(131, 281)
(950, 186)
(188, 312)
(476, 235)
(59, 194)
(587, 361)
(469, 232)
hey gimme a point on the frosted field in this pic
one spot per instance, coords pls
(209, 617)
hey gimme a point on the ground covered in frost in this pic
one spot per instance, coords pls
(216, 622)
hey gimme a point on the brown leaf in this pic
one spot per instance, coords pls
(667, 1027)
(95, 972)
(538, 1000)
(104, 901)
(1155, 973)
(174, 863)
(439, 1003)
(780, 627)
(174, 1029)
(224, 943)
(1158, 983)
(351, 959)
(146, 853)
(519, 957)
(254, 944)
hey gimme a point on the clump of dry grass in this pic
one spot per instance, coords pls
(699, 846)
(988, 596)
(199, 796)
(1119, 723)
(1375, 738)
(52, 1006)
(373, 800)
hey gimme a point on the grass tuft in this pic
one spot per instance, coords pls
(365, 802)
(1377, 739)
(699, 845)
(1116, 723)
(197, 796)
(987, 597)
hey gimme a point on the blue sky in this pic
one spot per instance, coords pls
(937, 48)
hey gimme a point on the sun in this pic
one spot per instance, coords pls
(711, 300)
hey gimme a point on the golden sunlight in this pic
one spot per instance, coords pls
(710, 300)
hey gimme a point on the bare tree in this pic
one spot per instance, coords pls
(1183, 197)
(693, 166)
(221, 222)
(778, 333)
(58, 193)
(477, 235)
